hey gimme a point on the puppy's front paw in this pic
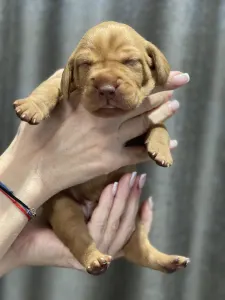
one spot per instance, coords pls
(99, 264)
(160, 153)
(28, 111)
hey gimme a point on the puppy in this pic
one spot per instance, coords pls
(111, 71)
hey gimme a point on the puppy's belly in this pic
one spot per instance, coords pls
(88, 208)
(88, 194)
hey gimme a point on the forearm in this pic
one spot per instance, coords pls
(12, 221)
(17, 177)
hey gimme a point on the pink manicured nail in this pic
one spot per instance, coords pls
(174, 105)
(114, 188)
(142, 181)
(182, 78)
(188, 261)
(132, 179)
(173, 143)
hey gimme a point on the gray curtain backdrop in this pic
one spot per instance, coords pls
(36, 38)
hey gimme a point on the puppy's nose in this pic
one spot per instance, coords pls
(108, 91)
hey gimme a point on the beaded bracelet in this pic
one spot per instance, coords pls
(28, 212)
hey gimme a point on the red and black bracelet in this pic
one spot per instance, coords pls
(28, 212)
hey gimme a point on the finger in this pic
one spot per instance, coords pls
(100, 216)
(162, 113)
(157, 99)
(117, 210)
(146, 214)
(127, 224)
(149, 103)
(139, 125)
(137, 155)
(173, 144)
(176, 79)
(160, 94)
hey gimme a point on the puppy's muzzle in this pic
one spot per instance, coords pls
(112, 89)
(106, 86)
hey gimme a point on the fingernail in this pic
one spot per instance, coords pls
(174, 105)
(132, 179)
(173, 143)
(170, 94)
(188, 260)
(183, 76)
(151, 204)
(114, 188)
(142, 181)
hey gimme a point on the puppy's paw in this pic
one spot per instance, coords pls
(28, 111)
(173, 264)
(160, 153)
(99, 265)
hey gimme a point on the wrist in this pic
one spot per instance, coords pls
(19, 176)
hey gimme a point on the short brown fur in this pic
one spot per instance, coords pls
(109, 54)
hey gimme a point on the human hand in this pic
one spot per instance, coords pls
(111, 225)
(73, 146)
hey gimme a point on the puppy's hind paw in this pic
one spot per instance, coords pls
(99, 265)
(175, 264)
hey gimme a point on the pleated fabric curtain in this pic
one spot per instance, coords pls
(36, 38)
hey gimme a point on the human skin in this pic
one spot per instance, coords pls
(46, 165)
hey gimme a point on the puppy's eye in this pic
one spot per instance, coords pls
(85, 64)
(131, 62)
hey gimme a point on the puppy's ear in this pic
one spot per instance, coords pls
(158, 64)
(67, 82)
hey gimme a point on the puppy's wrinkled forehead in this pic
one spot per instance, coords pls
(112, 41)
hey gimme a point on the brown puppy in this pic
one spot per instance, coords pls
(111, 71)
